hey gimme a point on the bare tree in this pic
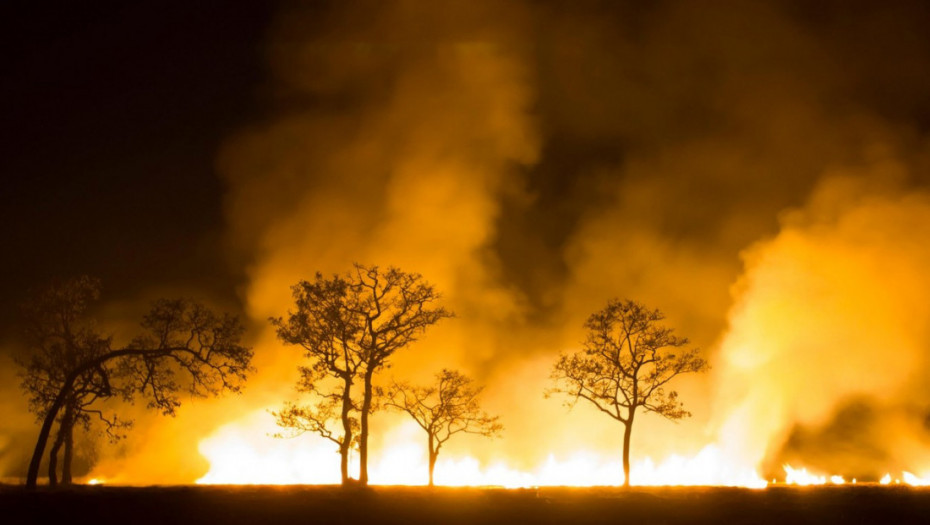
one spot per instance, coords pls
(627, 360)
(349, 327)
(443, 410)
(183, 347)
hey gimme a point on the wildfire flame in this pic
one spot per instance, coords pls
(915, 481)
(801, 477)
(244, 453)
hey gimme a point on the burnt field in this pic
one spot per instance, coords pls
(416, 505)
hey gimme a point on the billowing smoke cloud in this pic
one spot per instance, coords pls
(719, 134)
(826, 352)
(416, 120)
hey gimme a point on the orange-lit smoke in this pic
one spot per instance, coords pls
(410, 175)
(408, 131)
(833, 311)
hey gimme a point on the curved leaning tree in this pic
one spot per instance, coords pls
(625, 366)
(182, 348)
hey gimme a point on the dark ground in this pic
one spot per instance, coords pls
(413, 506)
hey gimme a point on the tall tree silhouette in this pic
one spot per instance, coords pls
(324, 328)
(58, 336)
(626, 363)
(444, 409)
(183, 347)
(349, 327)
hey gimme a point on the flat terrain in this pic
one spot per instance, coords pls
(207, 505)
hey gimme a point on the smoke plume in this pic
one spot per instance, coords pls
(827, 344)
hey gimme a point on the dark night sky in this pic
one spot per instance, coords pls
(112, 113)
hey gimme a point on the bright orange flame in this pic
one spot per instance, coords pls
(801, 476)
(243, 453)
(915, 481)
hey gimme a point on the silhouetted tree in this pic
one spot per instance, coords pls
(183, 348)
(324, 327)
(394, 307)
(447, 408)
(58, 336)
(627, 360)
(349, 327)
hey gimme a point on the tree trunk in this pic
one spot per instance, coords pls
(32, 477)
(346, 444)
(363, 433)
(64, 437)
(344, 462)
(53, 457)
(627, 432)
(433, 454)
(69, 449)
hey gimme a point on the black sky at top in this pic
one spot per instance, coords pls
(112, 114)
